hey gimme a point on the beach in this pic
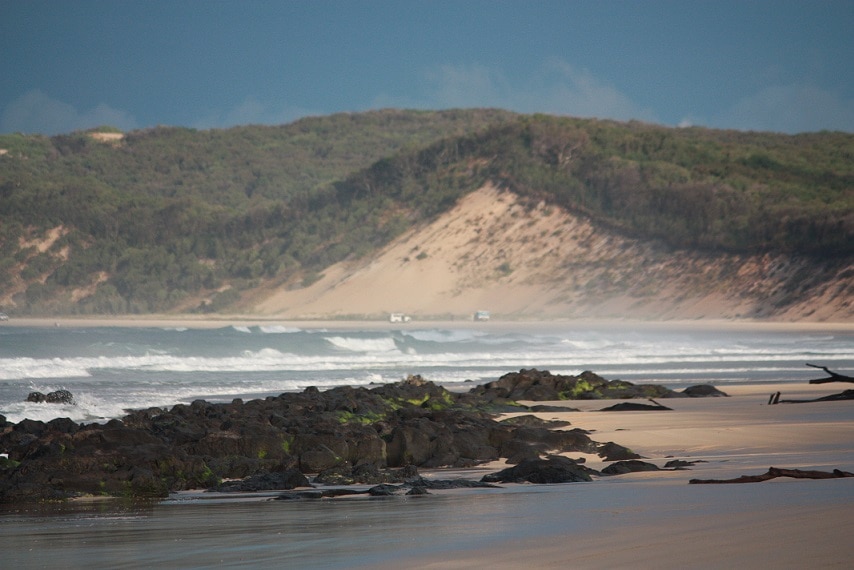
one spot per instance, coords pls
(659, 520)
(652, 519)
(557, 324)
(642, 520)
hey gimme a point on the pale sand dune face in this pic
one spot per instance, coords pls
(494, 252)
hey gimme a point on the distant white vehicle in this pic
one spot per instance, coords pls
(481, 316)
(398, 318)
(4, 317)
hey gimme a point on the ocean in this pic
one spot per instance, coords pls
(113, 369)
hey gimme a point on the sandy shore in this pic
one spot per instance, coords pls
(659, 520)
(207, 321)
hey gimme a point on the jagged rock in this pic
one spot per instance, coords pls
(614, 452)
(535, 385)
(343, 433)
(703, 391)
(317, 494)
(531, 420)
(635, 407)
(629, 466)
(681, 464)
(544, 408)
(384, 490)
(555, 469)
(56, 397)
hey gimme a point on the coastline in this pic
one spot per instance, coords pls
(218, 321)
(657, 519)
(646, 519)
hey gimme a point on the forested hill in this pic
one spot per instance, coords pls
(176, 219)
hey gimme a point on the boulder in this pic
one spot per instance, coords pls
(555, 469)
(56, 397)
(611, 451)
(629, 466)
(703, 391)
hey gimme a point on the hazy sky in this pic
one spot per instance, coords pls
(746, 64)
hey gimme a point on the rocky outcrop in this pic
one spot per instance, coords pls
(343, 434)
(629, 466)
(555, 469)
(703, 391)
(56, 397)
(533, 384)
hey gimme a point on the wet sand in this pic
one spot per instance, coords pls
(642, 520)
(659, 520)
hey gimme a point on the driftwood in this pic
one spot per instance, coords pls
(773, 473)
(832, 376)
(846, 395)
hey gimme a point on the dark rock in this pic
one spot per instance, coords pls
(370, 436)
(534, 384)
(313, 494)
(444, 484)
(57, 397)
(284, 480)
(384, 490)
(63, 425)
(544, 408)
(32, 427)
(614, 452)
(517, 451)
(635, 407)
(531, 420)
(418, 491)
(630, 466)
(36, 397)
(681, 464)
(555, 469)
(703, 391)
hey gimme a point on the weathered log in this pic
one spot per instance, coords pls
(832, 376)
(773, 473)
(846, 395)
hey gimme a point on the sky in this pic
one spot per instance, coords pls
(769, 65)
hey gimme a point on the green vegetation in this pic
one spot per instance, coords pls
(368, 418)
(163, 218)
(287, 444)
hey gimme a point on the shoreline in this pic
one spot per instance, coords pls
(220, 321)
(657, 520)
(650, 519)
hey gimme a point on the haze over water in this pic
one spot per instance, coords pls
(113, 369)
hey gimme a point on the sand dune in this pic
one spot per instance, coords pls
(495, 252)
